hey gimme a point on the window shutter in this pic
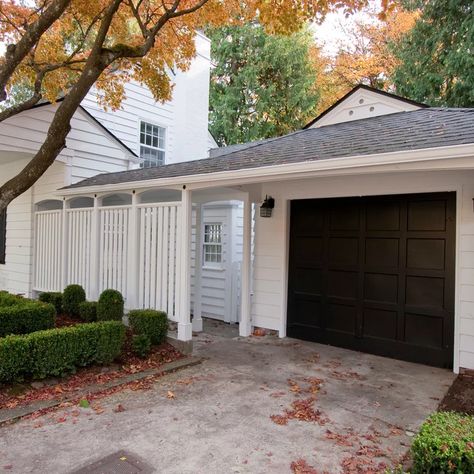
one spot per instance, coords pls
(3, 235)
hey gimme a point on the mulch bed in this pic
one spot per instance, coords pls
(21, 394)
(460, 396)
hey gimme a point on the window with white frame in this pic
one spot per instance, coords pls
(212, 244)
(152, 145)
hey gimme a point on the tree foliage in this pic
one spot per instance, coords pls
(262, 85)
(436, 59)
(365, 57)
(64, 47)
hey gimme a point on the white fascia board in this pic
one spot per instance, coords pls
(375, 163)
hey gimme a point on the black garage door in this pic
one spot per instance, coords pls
(375, 274)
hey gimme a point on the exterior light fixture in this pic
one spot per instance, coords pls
(267, 206)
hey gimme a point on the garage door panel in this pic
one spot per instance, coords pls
(309, 312)
(375, 274)
(308, 250)
(345, 215)
(384, 216)
(424, 330)
(342, 284)
(380, 323)
(426, 253)
(341, 318)
(381, 287)
(425, 292)
(381, 252)
(426, 215)
(343, 251)
(308, 280)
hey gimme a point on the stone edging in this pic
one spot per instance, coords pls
(8, 415)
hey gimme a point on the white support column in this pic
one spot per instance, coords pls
(245, 326)
(185, 329)
(95, 252)
(64, 247)
(197, 309)
(133, 253)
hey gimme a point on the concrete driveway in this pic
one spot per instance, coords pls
(255, 405)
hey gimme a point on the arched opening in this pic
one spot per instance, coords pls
(119, 199)
(80, 202)
(159, 195)
(49, 205)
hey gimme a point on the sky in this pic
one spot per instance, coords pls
(330, 33)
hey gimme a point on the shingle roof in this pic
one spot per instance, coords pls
(414, 130)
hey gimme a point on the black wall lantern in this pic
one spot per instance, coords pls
(267, 206)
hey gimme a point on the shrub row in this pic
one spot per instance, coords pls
(56, 352)
(444, 444)
(21, 316)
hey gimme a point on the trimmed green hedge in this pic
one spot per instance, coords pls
(53, 297)
(73, 296)
(59, 351)
(444, 444)
(88, 311)
(7, 299)
(25, 316)
(150, 322)
(141, 345)
(110, 306)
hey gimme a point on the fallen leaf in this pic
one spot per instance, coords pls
(170, 395)
(119, 408)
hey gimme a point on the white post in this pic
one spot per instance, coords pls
(64, 246)
(95, 254)
(185, 328)
(197, 309)
(133, 253)
(245, 326)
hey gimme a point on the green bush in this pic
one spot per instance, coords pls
(444, 444)
(26, 316)
(141, 345)
(150, 322)
(73, 295)
(56, 352)
(110, 306)
(7, 299)
(55, 298)
(88, 311)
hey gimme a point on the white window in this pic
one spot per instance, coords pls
(212, 244)
(152, 145)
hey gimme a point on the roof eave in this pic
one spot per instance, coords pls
(283, 171)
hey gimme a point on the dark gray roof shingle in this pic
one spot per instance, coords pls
(414, 130)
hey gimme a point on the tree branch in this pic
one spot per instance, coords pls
(15, 53)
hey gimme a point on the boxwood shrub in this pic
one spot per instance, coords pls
(88, 311)
(150, 322)
(56, 352)
(110, 306)
(73, 296)
(25, 316)
(141, 345)
(53, 297)
(444, 444)
(7, 299)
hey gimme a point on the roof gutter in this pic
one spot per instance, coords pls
(273, 172)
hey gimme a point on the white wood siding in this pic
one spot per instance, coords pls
(364, 104)
(89, 151)
(185, 116)
(270, 285)
(220, 285)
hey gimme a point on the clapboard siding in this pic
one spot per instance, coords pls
(185, 116)
(89, 151)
